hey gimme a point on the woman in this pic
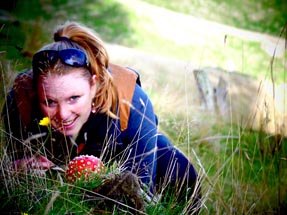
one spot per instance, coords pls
(95, 108)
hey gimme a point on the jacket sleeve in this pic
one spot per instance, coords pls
(140, 138)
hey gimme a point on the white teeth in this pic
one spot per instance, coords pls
(67, 122)
(63, 123)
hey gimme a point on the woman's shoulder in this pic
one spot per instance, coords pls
(24, 94)
(24, 81)
(124, 76)
(125, 81)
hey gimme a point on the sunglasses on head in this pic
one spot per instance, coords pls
(71, 57)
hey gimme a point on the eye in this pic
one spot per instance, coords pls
(50, 103)
(73, 99)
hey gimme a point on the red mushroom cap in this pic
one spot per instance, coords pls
(83, 166)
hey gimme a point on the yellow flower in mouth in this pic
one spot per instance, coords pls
(45, 121)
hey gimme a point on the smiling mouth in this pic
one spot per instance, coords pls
(63, 124)
(67, 123)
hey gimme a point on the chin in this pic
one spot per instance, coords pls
(74, 135)
(68, 133)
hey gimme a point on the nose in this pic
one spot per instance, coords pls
(63, 112)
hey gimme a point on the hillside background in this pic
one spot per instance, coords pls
(240, 42)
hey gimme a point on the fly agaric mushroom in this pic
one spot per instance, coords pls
(83, 166)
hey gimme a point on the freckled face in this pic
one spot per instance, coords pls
(67, 100)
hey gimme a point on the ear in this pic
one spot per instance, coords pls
(93, 83)
(94, 79)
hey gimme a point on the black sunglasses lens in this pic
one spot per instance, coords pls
(52, 56)
(73, 57)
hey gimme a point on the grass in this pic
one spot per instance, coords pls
(196, 42)
(262, 16)
(242, 170)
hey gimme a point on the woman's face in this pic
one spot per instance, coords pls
(67, 100)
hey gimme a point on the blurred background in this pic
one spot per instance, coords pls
(215, 71)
